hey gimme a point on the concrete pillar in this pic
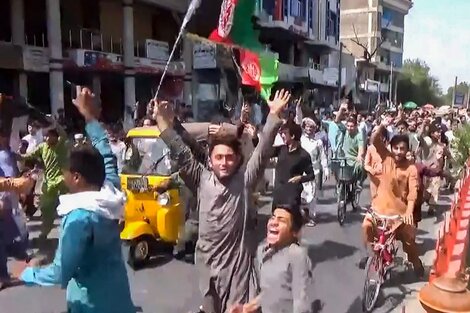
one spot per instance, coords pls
(291, 53)
(23, 84)
(17, 22)
(188, 64)
(54, 36)
(18, 38)
(129, 72)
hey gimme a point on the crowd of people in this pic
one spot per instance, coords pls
(405, 154)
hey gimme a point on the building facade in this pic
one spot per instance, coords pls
(305, 36)
(373, 31)
(117, 47)
(120, 47)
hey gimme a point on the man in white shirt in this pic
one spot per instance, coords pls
(34, 136)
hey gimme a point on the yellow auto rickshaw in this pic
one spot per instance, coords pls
(153, 214)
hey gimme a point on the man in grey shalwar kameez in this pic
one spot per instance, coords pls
(226, 247)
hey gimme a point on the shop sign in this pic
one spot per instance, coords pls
(97, 60)
(204, 56)
(35, 59)
(157, 50)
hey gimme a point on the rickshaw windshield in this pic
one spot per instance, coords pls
(147, 156)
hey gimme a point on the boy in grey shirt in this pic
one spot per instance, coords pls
(284, 267)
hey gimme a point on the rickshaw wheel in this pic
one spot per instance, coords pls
(139, 252)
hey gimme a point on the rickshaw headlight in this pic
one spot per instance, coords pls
(163, 199)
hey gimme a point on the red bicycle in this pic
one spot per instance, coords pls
(382, 261)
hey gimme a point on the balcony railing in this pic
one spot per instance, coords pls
(88, 39)
(36, 40)
(92, 40)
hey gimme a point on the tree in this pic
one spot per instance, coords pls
(418, 85)
(462, 88)
(368, 52)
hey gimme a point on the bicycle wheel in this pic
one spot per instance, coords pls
(342, 194)
(341, 212)
(372, 284)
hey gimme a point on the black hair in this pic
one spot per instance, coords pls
(152, 121)
(399, 139)
(402, 122)
(89, 163)
(294, 209)
(52, 132)
(226, 140)
(294, 129)
(352, 119)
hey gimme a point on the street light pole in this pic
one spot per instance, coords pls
(340, 68)
(455, 92)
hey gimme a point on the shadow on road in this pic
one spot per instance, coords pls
(389, 302)
(427, 244)
(351, 217)
(356, 306)
(329, 250)
(326, 201)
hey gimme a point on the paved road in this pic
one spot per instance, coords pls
(171, 286)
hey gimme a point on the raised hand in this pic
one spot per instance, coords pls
(164, 114)
(387, 121)
(214, 129)
(86, 105)
(343, 107)
(280, 101)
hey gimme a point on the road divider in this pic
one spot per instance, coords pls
(448, 279)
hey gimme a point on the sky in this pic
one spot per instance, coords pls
(438, 32)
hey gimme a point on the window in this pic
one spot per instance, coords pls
(5, 21)
(296, 8)
(311, 15)
(91, 14)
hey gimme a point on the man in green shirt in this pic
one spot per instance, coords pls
(53, 154)
(352, 147)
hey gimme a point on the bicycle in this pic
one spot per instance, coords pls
(345, 187)
(382, 261)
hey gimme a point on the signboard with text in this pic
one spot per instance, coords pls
(102, 61)
(204, 56)
(35, 59)
(157, 50)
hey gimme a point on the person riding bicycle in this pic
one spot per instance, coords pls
(397, 193)
(352, 147)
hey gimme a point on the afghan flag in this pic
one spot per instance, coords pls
(235, 26)
(259, 71)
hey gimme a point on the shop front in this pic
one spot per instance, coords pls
(104, 72)
(215, 82)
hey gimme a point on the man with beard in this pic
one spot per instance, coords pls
(225, 249)
(396, 194)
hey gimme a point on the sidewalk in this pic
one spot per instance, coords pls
(427, 234)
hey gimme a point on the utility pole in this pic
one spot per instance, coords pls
(455, 92)
(340, 70)
(468, 97)
(396, 90)
(390, 92)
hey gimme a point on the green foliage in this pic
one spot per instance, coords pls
(461, 145)
(418, 85)
(462, 87)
